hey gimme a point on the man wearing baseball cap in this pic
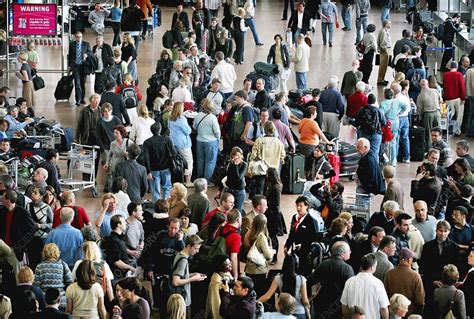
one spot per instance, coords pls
(403, 280)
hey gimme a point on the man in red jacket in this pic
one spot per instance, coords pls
(454, 94)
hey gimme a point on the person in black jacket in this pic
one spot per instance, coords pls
(242, 304)
(181, 16)
(21, 227)
(369, 178)
(262, 99)
(52, 297)
(331, 201)
(284, 57)
(132, 17)
(293, 23)
(103, 52)
(426, 187)
(200, 21)
(239, 35)
(435, 255)
(118, 106)
(302, 234)
(78, 52)
(450, 28)
(157, 153)
(134, 173)
(50, 165)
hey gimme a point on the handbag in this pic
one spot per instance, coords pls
(450, 314)
(38, 82)
(255, 256)
(258, 168)
(361, 47)
(387, 134)
(337, 24)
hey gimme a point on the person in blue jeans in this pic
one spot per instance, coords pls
(157, 156)
(235, 173)
(362, 8)
(386, 6)
(404, 140)
(207, 140)
(328, 13)
(250, 22)
(346, 14)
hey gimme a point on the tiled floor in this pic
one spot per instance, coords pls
(325, 61)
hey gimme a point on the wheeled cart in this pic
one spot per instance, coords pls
(81, 160)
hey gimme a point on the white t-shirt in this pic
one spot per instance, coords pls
(108, 272)
(85, 301)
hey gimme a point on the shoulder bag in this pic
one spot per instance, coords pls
(38, 82)
(255, 256)
(387, 134)
(450, 314)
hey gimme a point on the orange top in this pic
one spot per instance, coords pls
(309, 132)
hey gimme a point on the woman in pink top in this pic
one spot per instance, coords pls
(310, 132)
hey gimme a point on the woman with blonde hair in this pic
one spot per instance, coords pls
(130, 105)
(257, 236)
(103, 273)
(448, 296)
(32, 55)
(176, 200)
(207, 140)
(52, 272)
(176, 307)
(129, 55)
(25, 75)
(141, 127)
(399, 306)
(25, 279)
(180, 136)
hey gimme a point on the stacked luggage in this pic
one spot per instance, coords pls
(268, 72)
(297, 100)
(349, 159)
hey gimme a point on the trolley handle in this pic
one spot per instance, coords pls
(85, 146)
(13, 159)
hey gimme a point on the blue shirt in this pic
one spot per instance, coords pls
(69, 240)
(462, 236)
(14, 126)
(105, 228)
(179, 132)
(115, 14)
(284, 115)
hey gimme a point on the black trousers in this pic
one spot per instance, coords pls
(116, 28)
(285, 9)
(35, 247)
(79, 82)
(367, 65)
(447, 54)
(239, 38)
(144, 27)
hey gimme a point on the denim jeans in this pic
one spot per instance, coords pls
(385, 14)
(206, 156)
(301, 80)
(325, 27)
(295, 36)
(361, 27)
(394, 146)
(250, 22)
(346, 14)
(239, 198)
(403, 139)
(161, 178)
(470, 118)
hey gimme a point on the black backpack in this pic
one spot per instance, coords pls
(129, 96)
(370, 120)
(166, 285)
(168, 40)
(415, 82)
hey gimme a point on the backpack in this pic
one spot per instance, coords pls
(439, 31)
(319, 251)
(168, 40)
(238, 125)
(108, 75)
(129, 96)
(415, 82)
(166, 285)
(218, 246)
(370, 120)
(101, 274)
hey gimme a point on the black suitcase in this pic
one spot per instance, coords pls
(417, 143)
(292, 174)
(64, 88)
(348, 152)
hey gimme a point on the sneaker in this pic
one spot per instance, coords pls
(330, 44)
(259, 44)
(407, 161)
(189, 185)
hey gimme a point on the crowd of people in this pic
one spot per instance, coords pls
(198, 130)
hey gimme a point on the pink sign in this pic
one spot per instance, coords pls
(34, 19)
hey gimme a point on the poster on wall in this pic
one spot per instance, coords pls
(34, 19)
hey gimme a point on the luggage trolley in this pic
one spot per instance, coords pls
(12, 166)
(358, 204)
(81, 160)
(153, 22)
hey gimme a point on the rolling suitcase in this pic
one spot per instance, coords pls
(64, 88)
(292, 174)
(417, 143)
(335, 162)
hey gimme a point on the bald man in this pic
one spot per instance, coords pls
(428, 105)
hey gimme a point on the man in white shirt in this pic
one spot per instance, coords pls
(301, 60)
(366, 291)
(225, 72)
